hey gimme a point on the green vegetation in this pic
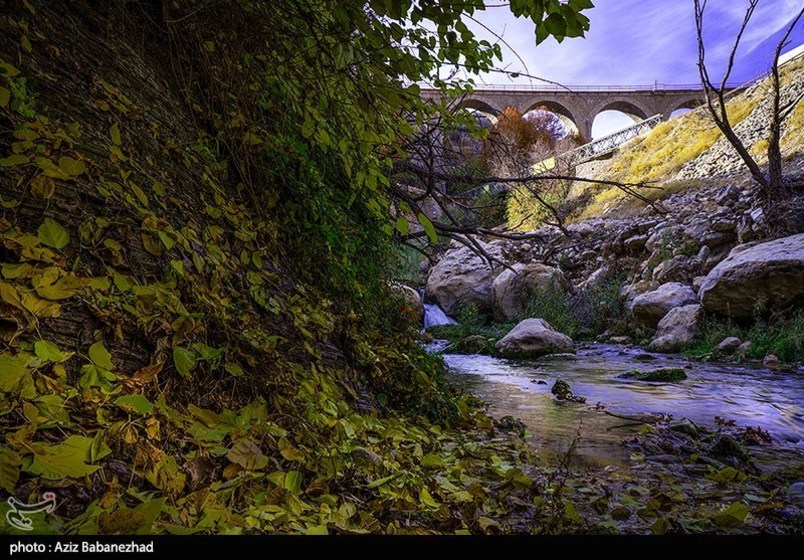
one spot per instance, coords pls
(664, 375)
(196, 333)
(583, 315)
(473, 334)
(778, 335)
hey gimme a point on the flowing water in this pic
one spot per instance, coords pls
(749, 395)
(435, 316)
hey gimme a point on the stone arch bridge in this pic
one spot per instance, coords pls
(581, 104)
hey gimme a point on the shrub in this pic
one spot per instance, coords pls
(583, 315)
(782, 336)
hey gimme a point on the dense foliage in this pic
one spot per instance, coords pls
(197, 335)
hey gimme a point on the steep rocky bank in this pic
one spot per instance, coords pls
(705, 248)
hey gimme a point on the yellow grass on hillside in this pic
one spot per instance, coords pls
(658, 156)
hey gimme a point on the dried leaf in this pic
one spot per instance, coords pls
(247, 454)
(43, 186)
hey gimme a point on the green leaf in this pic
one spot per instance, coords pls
(14, 160)
(14, 374)
(384, 480)
(100, 356)
(184, 360)
(5, 95)
(462, 496)
(167, 241)
(732, 516)
(8, 70)
(233, 369)
(140, 194)
(429, 229)
(178, 266)
(53, 410)
(660, 526)
(95, 376)
(579, 5)
(134, 403)
(293, 481)
(308, 128)
(53, 234)
(97, 448)
(402, 225)
(48, 351)
(55, 462)
(427, 499)
(71, 167)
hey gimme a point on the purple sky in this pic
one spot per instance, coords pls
(640, 42)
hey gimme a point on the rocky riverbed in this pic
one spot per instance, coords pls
(723, 447)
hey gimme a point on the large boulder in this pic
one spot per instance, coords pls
(534, 337)
(677, 328)
(462, 277)
(648, 309)
(766, 275)
(510, 290)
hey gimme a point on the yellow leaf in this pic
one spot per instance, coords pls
(9, 469)
(151, 245)
(140, 194)
(114, 132)
(246, 454)
(43, 186)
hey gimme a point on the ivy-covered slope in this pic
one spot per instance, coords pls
(179, 353)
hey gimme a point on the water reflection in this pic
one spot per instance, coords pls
(751, 396)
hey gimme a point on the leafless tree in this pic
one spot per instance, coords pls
(773, 183)
(433, 180)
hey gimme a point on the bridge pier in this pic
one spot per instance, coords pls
(585, 129)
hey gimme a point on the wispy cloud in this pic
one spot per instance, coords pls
(644, 41)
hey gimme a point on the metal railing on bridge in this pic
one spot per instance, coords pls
(582, 88)
(607, 144)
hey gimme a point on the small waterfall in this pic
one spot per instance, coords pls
(434, 316)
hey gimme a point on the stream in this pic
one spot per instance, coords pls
(749, 395)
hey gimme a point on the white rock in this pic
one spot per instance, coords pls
(677, 328)
(768, 276)
(534, 337)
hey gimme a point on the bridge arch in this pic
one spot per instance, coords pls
(636, 111)
(616, 113)
(479, 105)
(683, 107)
(569, 118)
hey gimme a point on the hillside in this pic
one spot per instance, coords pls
(185, 346)
(685, 153)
